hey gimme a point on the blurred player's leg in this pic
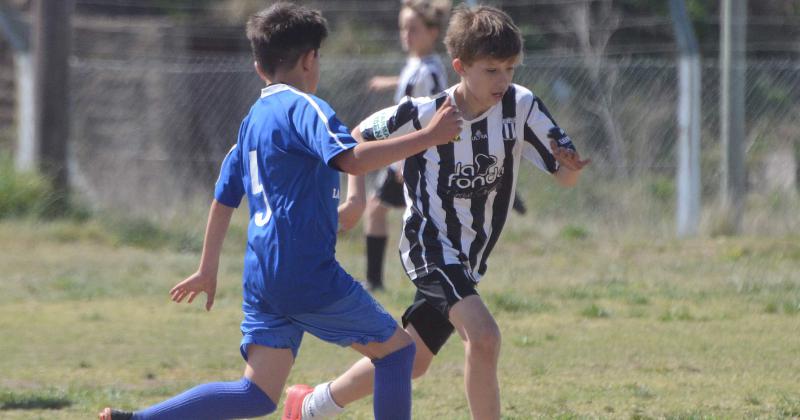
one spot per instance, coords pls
(376, 238)
(519, 205)
(388, 194)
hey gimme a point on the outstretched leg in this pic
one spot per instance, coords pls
(254, 395)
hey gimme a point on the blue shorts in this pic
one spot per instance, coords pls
(356, 318)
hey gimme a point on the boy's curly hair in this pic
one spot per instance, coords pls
(280, 34)
(434, 13)
(482, 32)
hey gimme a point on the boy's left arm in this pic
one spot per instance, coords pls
(557, 156)
(353, 206)
(205, 278)
(569, 163)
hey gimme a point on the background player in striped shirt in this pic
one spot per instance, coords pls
(286, 158)
(458, 196)
(421, 22)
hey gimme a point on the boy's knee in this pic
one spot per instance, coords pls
(261, 402)
(267, 408)
(420, 367)
(485, 342)
(401, 356)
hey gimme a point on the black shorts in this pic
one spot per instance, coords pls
(389, 190)
(436, 295)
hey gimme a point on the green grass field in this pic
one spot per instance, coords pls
(595, 325)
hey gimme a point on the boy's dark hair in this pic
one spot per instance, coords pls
(482, 32)
(282, 33)
(433, 13)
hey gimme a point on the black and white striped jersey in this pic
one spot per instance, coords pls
(424, 76)
(458, 195)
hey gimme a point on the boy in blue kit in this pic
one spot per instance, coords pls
(285, 161)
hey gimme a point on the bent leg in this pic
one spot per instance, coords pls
(358, 381)
(481, 337)
(393, 361)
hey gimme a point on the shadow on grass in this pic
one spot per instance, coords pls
(32, 401)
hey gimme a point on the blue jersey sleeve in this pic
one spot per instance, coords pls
(229, 189)
(321, 132)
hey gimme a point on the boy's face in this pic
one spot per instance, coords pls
(487, 79)
(415, 36)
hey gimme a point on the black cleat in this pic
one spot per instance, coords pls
(121, 415)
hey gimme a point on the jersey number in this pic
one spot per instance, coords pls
(262, 217)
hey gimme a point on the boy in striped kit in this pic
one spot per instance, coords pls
(459, 195)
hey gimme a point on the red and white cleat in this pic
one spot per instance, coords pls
(295, 395)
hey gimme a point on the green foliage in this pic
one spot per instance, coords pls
(574, 232)
(145, 233)
(595, 311)
(514, 303)
(677, 314)
(22, 194)
(49, 400)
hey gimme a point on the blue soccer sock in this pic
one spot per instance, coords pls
(213, 401)
(392, 399)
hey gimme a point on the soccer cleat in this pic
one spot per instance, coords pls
(109, 414)
(295, 396)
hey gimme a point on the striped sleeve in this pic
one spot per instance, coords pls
(540, 127)
(391, 122)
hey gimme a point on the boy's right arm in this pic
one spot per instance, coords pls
(205, 278)
(372, 155)
(380, 83)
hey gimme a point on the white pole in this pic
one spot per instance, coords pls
(732, 130)
(688, 174)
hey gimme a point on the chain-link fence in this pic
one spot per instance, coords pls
(149, 135)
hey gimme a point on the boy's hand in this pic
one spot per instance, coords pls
(349, 213)
(568, 157)
(446, 123)
(193, 285)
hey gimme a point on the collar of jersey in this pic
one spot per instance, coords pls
(275, 88)
(451, 93)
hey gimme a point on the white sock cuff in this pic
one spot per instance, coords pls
(328, 395)
(320, 404)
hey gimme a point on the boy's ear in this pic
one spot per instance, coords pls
(458, 66)
(307, 59)
(261, 73)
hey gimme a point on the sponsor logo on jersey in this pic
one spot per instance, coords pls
(477, 179)
(479, 135)
(509, 129)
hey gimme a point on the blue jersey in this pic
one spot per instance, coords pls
(282, 162)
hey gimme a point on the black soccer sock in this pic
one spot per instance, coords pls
(376, 247)
(519, 205)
